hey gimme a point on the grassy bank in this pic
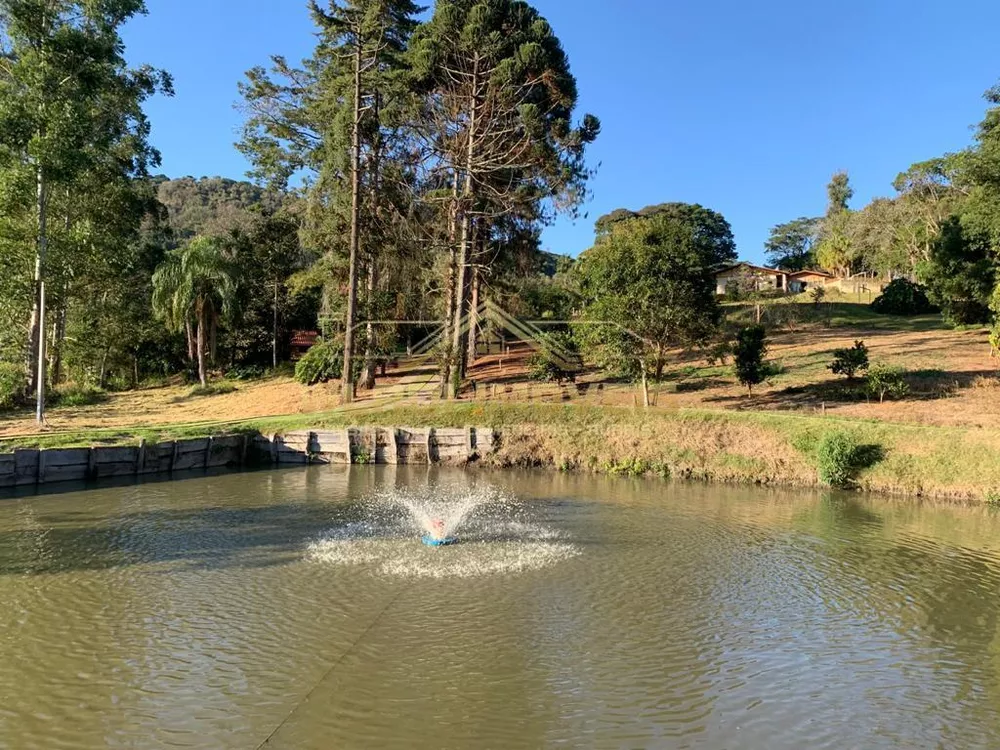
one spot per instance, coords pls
(770, 448)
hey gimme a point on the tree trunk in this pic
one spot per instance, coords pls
(60, 337)
(274, 330)
(202, 378)
(347, 384)
(368, 377)
(645, 389)
(36, 349)
(450, 289)
(473, 316)
(192, 351)
(213, 348)
(40, 382)
(102, 378)
(375, 173)
(460, 321)
(468, 204)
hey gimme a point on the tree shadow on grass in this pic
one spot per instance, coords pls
(924, 385)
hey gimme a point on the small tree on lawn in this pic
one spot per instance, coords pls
(648, 287)
(884, 380)
(751, 346)
(850, 361)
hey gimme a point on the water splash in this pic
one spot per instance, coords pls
(497, 533)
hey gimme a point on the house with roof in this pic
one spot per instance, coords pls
(753, 278)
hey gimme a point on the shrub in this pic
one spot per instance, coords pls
(558, 358)
(322, 363)
(11, 384)
(248, 372)
(817, 294)
(212, 389)
(748, 355)
(75, 394)
(839, 457)
(902, 297)
(884, 380)
(719, 352)
(850, 362)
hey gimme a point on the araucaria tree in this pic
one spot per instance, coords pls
(649, 287)
(496, 133)
(70, 110)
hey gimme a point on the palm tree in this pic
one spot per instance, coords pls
(191, 289)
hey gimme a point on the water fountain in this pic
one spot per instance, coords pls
(498, 533)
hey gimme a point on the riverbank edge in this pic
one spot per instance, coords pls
(754, 448)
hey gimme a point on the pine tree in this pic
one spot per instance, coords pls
(497, 125)
(341, 102)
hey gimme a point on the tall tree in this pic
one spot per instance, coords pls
(334, 107)
(67, 102)
(790, 245)
(834, 251)
(497, 125)
(274, 240)
(648, 286)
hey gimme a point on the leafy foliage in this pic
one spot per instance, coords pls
(902, 297)
(790, 245)
(322, 363)
(648, 285)
(11, 384)
(77, 394)
(961, 273)
(850, 361)
(839, 457)
(748, 356)
(557, 360)
(885, 380)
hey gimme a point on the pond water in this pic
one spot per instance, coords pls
(300, 609)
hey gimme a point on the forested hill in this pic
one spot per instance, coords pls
(207, 205)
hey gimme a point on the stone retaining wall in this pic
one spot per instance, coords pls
(378, 445)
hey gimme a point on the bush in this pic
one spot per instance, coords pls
(11, 385)
(850, 362)
(902, 297)
(74, 394)
(558, 358)
(719, 352)
(884, 380)
(817, 294)
(212, 389)
(248, 372)
(840, 457)
(322, 363)
(748, 356)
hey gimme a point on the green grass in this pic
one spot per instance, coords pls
(838, 311)
(746, 447)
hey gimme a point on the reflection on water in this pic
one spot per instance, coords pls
(223, 611)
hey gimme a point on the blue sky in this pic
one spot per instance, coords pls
(746, 108)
